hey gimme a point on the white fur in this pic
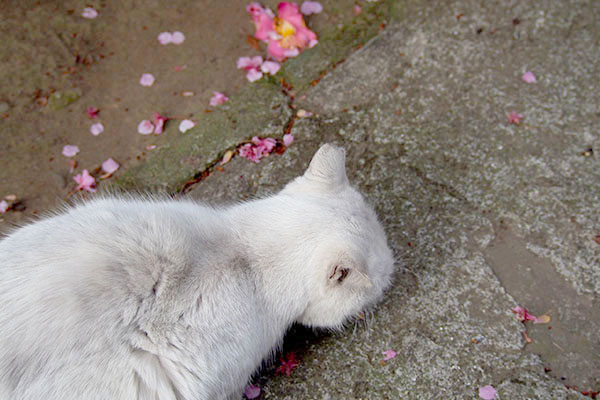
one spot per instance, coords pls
(148, 299)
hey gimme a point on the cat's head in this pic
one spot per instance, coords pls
(351, 264)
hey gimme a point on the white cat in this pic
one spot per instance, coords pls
(148, 299)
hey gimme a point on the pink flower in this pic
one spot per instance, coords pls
(97, 129)
(357, 10)
(487, 392)
(270, 67)
(529, 77)
(288, 365)
(265, 145)
(186, 125)
(514, 118)
(89, 13)
(258, 148)
(252, 392)
(165, 37)
(3, 206)
(288, 139)
(145, 127)
(147, 80)
(218, 99)
(311, 7)
(70, 150)
(159, 123)
(286, 34)
(388, 355)
(109, 166)
(85, 181)
(92, 112)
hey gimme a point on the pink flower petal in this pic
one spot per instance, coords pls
(249, 63)
(92, 112)
(186, 125)
(253, 75)
(165, 37)
(288, 139)
(290, 53)
(514, 118)
(529, 77)
(3, 206)
(159, 123)
(97, 129)
(147, 80)
(252, 392)
(523, 314)
(150, 147)
(85, 181)
(177, 37)
(388, 355)
(109, 166)
(357, 10)
(89, 13)
(70, 150)
(145, 127)
(218, 99)
(311, 7)
(270, 67)
(487, 392)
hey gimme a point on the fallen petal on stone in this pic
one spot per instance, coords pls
(311, 7)
(487, 392)
(529, 77)
(253, 75)
(218, 99)
(288, 139)
(165, 37)
(145, 127)
(270, 67)
(97, 129)
(177, 37)
(226, 157)
(109, 166)
(3, 206)
(252, 392)
(147, 80)
(89, 13)
(70, 150)
(186, 125)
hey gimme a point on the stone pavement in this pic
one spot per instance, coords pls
(483, 215)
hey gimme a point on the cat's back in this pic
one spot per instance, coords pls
(78, 281)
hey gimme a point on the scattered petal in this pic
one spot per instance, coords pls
(187, 94)
(357, 10)
(253, 75)
(97, 129)
(92, 112)
(542, 319)
(487, 392)
(252, 392)
(3, 206)
(165, 37)
(159, 123)
(70, 150)
(303, 114)
(145, 127)
(514, 118)
(150, 147)
(177, 37)
(287, 365)
(270, 67)
(523, 314)
(388, 355)
(147, 80)
(288, 139)
(311, 7)
(85, 181)
(10, 197)
(180, 67)
(109, 166)
(529, 77)
(186, 125)
(218, 99)
(248, 63)
(526, 337)
(265, 145)
(226, 157)
(248, 151)
(89, 13)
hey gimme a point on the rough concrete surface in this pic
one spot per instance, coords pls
(483, 215)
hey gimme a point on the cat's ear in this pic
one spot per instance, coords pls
(328, 167)
(348, 277)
